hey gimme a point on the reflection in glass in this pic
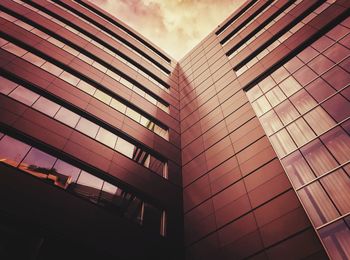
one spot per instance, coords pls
(12, 151)
(275, 96)
(338, 142)
(261, 105)
(336, 238)
(338, 107)
(303, 101)
(67, 117)
(271, 122)
(319, 120)
(6, 86)
(103, 96)
(297, 169)
(317, 204)
(87, 127)
(318, 157)
(290, 86)
(286, 112)
(125, 147)
(106, 137)
(337, 185)
(300, 132)
(46, 106)
(24, 95)
(67, 173)
(282, 143)
(39, 164)
(118, 105)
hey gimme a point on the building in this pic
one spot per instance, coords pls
(112, 149)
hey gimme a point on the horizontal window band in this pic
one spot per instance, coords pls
(86, 116)
(277, 35)
(260, 27)
(124, 29)
(235, 17)
(251, 17)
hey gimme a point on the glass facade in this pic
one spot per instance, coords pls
(238, 151)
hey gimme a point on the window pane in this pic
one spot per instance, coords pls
(65, 170)
(319, 120)
(6, 86)
(103, 96)
(87, 127)
(261, 105)
(317, 204)
(53, 69)
(24, 95)
(320, 89)
(88, 186)
(10, 47)
(125, 147)
(303, 101)
(275, 96)
(290, 86)
(300, 132)
(12, 151)
(46, 106)
(34, 59)
(86, 87)
(90, 180)
(67, 117)
(271, 122)
(338, 107)
(282, 143)
(336, 238)
(318, 157)
(106, 137)
(38, 163)
(286, 112)
(66, 76)
(118, 105)
(337, 185)
(338, 142)
(297, 169)
(133, 114)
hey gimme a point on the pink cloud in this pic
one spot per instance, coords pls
(176, 26)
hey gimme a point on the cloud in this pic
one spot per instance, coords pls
(176, 26)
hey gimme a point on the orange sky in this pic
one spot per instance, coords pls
(176, 26)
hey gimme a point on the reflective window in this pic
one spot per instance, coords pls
(70, 173)
(67, 117)
(125, 147)
(66, 76)
(286, 112)
(336, 238)
(86, 87)
(317, 204)
(338, 107)
(87, 127)
(338, 142)
(24, 95)
(275, 96)
(39, 164)
(300, 132)
(46, 106)
(337, 185)
(53, 69)
(6, 86)
(318, 157)
(261, 105)
(290, 86)
(133, 114)
(118, 105)
(106, 137)
(319, 120)
(271, 122)
(297, 168)
(18, 51)
(303, 101)
(34, 59)
(103, 96)
(320, 89)
(12, 151)
(282, 143)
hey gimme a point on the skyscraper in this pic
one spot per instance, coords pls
(111, 149)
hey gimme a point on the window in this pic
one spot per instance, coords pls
(125, 147)
(12, 151)
(87, 127)
(118, 106)
(6, 86)
(68, 170)
(53, 69)
(106, 137)
(67, 117)
(103, 97)
(24, 95)
(46, 106)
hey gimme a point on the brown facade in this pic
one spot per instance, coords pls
(111, 148)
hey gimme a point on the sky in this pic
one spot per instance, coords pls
(176, 26)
